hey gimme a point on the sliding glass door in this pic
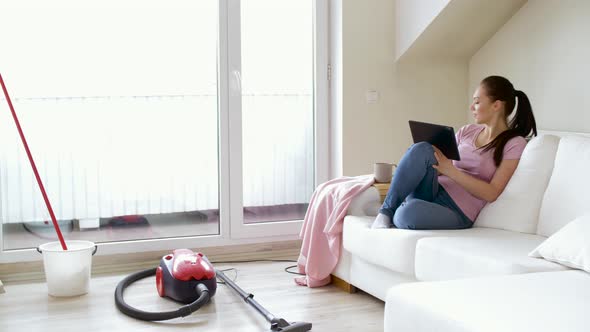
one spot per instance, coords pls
(273, 64)
(118, 100)
(162, 121)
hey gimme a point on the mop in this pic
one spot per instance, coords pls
(39, 182)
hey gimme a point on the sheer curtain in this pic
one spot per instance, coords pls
(122, 114)
(103, 157)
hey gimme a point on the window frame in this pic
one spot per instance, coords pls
(232, 230)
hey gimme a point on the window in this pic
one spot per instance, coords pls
(157, 121)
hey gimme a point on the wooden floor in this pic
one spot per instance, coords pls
(27, 307)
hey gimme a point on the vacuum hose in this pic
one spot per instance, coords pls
(201, 289)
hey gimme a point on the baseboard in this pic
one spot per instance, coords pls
(121, 264)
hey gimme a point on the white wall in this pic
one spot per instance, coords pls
(426, 90)
(545, 51)
(412, 17)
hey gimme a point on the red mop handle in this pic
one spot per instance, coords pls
(22, 136)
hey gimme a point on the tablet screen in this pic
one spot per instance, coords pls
(443, 137)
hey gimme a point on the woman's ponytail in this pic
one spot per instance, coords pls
(523, 121)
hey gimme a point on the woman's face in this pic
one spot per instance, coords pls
(483, 109)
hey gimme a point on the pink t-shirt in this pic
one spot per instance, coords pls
(477, 164)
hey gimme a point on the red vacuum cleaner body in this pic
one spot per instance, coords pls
(179, 273)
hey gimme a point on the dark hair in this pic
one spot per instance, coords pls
(523, 122)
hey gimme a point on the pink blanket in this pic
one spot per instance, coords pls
(322, 227)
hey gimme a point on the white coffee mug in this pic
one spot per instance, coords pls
(383, 172)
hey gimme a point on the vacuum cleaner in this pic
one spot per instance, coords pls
(189, 278)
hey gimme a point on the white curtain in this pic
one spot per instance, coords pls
(109, 156)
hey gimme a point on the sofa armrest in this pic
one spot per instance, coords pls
(366, 203)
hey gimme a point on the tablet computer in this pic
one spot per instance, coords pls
(443, 137)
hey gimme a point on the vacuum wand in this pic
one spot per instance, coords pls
(276, 324)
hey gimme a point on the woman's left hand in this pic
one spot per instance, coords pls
(445, 165)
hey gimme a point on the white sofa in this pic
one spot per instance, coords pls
(481, 279)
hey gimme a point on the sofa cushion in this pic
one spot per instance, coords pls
(566, 196)
(479, 254)
(395, 248)
(391, 248)
(539, 302)
(517, 208)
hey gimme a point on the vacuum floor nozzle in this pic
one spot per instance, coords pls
(292, 327)
(276, 324)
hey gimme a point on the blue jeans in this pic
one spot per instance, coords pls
(415, 200)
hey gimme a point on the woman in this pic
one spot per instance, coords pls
(430, 191)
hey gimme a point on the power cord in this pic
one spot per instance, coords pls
(257, 260)
(233, 279)
(45, 237)
(287, 269)
(293, 266)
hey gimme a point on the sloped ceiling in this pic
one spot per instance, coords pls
(458, 30)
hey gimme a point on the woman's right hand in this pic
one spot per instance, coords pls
(445, 165)
(438, 173)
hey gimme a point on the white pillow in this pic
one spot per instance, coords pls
(517, 208)
(570, 246)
